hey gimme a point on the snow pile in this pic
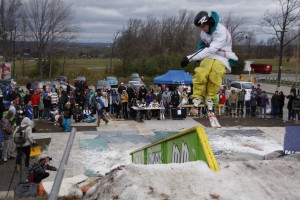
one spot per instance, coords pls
(236, 180)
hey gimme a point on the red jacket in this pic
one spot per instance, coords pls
(35, 100)
(222, 99)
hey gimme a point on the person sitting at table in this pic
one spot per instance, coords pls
(155, 104)
(142, 112)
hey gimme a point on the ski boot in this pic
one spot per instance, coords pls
(196, 102)
(209, 103)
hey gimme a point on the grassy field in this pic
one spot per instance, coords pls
(97, 69)
(93, 69)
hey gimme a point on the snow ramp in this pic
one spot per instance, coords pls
(189, 145)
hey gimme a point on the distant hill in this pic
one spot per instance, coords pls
(93, 45)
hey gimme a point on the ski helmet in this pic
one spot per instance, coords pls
(201, 18)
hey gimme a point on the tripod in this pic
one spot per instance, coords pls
(19, 158)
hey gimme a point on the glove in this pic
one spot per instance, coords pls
(184, 62)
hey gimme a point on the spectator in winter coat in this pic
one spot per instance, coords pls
(77, 112)
(148, 98)
(130, 92)
(47, 107)
(293, 89)
(67, 117)
(253, 103)
(118, 108)
(258, 89)
(26, 129)
(27, 97)
(124, 99)
(87, 114)
(88, 96)
(175, 99)
(29, 110)
(166, 96)
(121, 88)
(281, 103)
(114, 97)
(41, 106)
(296, 107)
(275, 104)
(291, 98)
(263, 103)
(222, 100)
(157, 95)
(142, 93)
(241, 101)
(233, 99)
(62, 100)
(28, 85)
(7, 131)
(35, 101)
(54, 97)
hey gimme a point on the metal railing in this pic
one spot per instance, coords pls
(61, 170)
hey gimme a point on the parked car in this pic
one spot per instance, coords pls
(61, 78)
(79, 79)
(64, 86)
(239, 85)
(112, 81)
(38, 85)
(103, 84)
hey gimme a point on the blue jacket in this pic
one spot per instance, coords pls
(29, 111)
(99, 105)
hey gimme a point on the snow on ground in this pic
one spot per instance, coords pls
(194, 180)
(245, 140)
(237, 179)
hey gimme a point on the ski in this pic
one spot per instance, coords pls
(213, 120)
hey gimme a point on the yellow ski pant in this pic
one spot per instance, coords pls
(208, 78)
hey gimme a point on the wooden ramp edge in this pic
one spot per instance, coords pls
(186, 146)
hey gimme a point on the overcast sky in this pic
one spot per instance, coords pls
(100, 20)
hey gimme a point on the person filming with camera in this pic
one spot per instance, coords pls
(37, 171)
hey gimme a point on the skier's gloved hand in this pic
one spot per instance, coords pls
(184, 62)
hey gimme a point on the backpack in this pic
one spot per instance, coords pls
(20, 137)
(26, 190)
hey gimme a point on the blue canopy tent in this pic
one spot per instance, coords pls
(174, 77)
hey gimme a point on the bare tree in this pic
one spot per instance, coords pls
(48, 22)
(9, 24)
(281, 22)
(236, 26)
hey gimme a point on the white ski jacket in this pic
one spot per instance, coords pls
(218, 44)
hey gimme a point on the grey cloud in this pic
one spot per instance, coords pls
(100, 20)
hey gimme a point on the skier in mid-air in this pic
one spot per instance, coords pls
(216, 56)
